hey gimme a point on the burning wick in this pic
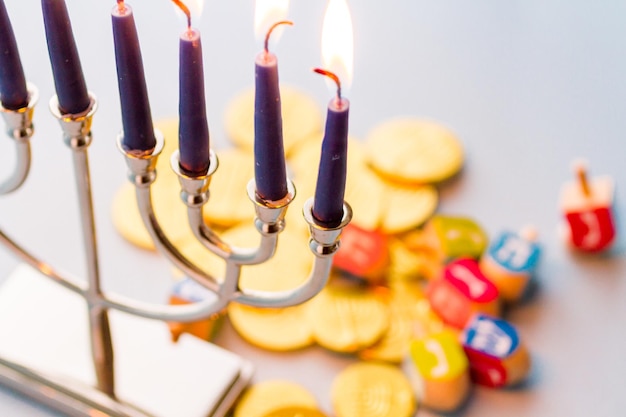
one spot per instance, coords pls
(121, 6)
(333, 77)
(269, 32)
(184, 9)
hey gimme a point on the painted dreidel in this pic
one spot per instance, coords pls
(587, 206)
(510, 262)
(363, 255)
(496, 355)
(187, 291)
(462, 291)
(439, 371)
(449, 237)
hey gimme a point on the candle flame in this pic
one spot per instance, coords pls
(338, 41)
(266, 14)
(193, 9)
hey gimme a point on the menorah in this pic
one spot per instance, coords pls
(75, 398)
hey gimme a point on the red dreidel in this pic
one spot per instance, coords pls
(461, 292)
(587, 208)
(187, 291)
(363, 254)
(510, 262)
(496, 355)
(439, 371)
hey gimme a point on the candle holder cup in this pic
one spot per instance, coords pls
(79, 398)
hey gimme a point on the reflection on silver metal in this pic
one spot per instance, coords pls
(19, 127)
(75, 399)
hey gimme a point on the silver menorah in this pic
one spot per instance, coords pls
(74, 398)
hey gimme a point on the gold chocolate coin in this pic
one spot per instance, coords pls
(404, 263)
(407, 207)
(296, 412)
(365, 194)
(279, 329)
(169, 210)
(348, 319)
(411, 150)
(301, 118)
(372, 390)
(229, 203)
(266, 397)
(395, 343)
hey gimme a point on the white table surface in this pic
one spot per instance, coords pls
(527, 85)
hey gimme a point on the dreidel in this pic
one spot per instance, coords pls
(587, 206)
(510, 262)
(439, 371)
(187, 291)
(363, 255)
(445, 238)
(496, 355)
(462, 291)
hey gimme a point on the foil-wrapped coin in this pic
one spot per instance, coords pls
(264, 398)
(348, 319)
(279, 329)
(368, 389)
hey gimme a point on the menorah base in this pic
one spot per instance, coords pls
(44, 354)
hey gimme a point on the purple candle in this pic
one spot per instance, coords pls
(66, 69)
(331, 179)
(269, 155)
(13, 92)
(193, 131)
(136, 116)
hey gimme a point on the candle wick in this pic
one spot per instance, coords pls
(333, 77)
(184, 9)
(121, 6)
(271, 29)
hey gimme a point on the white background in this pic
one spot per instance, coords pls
(528, 85)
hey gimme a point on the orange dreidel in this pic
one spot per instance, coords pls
(439, 371)
(363, 254)
(462, 291)
(587, 208)
(510, 262)
(188, 291)
(496, 355)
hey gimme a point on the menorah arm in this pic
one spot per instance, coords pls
(269, 215)
(324, 243)
(165, 246)
(278, 299)
(19, 127)
(46, 269)
(238, 255)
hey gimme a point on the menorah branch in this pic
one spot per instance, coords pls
(19, 127)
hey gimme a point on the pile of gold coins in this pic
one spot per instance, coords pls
(378, 305)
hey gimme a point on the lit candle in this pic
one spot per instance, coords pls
(66, 69)
(136, 116)
(13, 92)
(331, 179)
(269, 155)
(337, 54)
(193, 131)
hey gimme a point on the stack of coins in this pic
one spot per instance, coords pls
(413, 295)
